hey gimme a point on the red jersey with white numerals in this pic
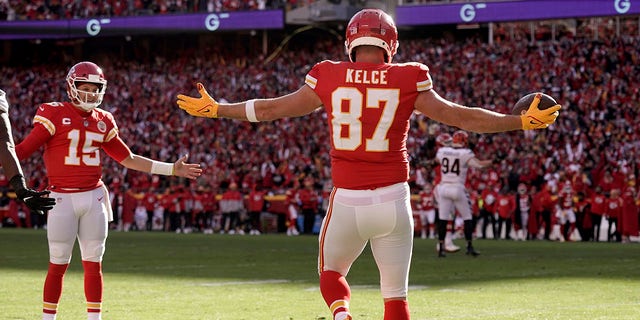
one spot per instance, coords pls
(73, 139)
(426, 201)
(368, 109)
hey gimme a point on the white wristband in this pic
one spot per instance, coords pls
(250, 110)
(163, 168)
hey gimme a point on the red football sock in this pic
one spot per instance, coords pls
(53, 287)
(93, 285)
(396, 310)
(335, 291)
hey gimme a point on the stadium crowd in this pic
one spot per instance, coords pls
(11, 10)
(589, 156)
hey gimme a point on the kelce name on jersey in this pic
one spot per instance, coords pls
(363, 76)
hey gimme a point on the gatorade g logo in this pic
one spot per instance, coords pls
(622, 6)
(93, 26)
(212, 21)
(468, 11)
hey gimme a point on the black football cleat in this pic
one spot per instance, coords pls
(472, 252)
(440, 251)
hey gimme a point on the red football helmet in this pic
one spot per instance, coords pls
(443, 140)
(372, 27)
(460, 139)
(86, 72)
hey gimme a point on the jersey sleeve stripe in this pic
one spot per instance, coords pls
(424, 85)
(111, 135)
(46, 123)
(311, 81)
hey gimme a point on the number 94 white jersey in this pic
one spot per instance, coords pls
(454, 164)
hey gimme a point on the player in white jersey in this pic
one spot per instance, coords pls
(452, 194)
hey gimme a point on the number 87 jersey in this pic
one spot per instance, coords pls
(368, 110)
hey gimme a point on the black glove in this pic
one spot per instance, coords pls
(35, 200)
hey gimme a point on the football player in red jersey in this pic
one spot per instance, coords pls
(368, 101)
(427, 211)
(309, 202)
(73, 133)
(37, 202)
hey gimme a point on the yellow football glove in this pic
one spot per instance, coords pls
(535, 118)
(204, 106)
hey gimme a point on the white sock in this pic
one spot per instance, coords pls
(94, 316)
(342, 315)
(48, 316)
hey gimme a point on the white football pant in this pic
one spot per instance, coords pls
(383, 217)
(82, 215)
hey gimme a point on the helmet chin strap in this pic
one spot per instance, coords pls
(83, 105)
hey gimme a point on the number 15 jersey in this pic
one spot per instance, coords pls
(73, 139)
(368, 109)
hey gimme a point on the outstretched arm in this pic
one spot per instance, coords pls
(482, 120)
(118, 150)
(296, 104)
(179, 168)
(477, 163)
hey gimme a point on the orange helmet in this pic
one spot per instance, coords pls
(443, 140)
(460, 139)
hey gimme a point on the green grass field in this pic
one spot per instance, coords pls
(195, 276)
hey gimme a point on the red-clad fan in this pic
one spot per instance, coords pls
(166, 202)
(255, 205)
(209, 204)
(565, 212)
(309, 203)
(584, 224)
(72, 134)
(150, 201)
(522, 212)
(129, 203)
(505, 207)
(488, 209)
(610, 181)
(197, 208)
(613, 211)
(597, 201)
(427, 211)
(174, 198)
(533, 227)
(292, 207)
(231, 205)
(547, 199)
(629, 214)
